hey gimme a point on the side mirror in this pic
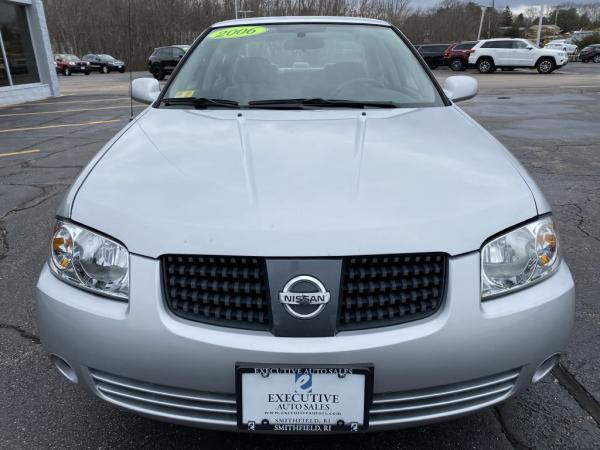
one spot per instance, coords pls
(461, 87)
(145, 90)
(530, 47)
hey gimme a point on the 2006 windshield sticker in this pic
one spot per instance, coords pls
(237, 32)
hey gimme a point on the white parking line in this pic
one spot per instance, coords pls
(115, 99)
(19, 152)
(63, 125)
(575, 86)
(37, 113)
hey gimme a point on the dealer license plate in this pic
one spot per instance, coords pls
(303, 399)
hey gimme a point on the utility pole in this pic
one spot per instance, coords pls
(481, 22)
(556, 21)
(235, 2)
(490, 19)
(539, 35)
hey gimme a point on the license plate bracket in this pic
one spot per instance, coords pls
(303, 399)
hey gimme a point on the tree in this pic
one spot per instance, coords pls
(101, 26)
(531, 15)
(589, 40)
(449, 21)
(570, 19)
(519, 22)
(516, 29)
(506, 20)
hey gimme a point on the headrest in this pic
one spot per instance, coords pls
(345, 70)
(254, 69)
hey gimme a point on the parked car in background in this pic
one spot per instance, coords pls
(433, 54)
(491, 54)
(457, 55)
(163, 60)
(104, 63)
(68, 64)
(562, 44)
(590, 53)
(577, 36)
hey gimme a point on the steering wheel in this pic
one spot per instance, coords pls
(359, 81)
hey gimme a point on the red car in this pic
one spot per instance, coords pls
(68, 64)
(457, 55)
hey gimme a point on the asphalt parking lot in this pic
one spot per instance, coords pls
(551, 124)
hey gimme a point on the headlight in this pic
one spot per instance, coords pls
(519, 258)
(90, 261)
(71, 63)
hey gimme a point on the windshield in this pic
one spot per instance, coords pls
(69, 57)
(106, 57)
(355, 63)
(465, 46)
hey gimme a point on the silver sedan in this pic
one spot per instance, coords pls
(304, 233)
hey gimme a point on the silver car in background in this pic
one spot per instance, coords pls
(279, 243)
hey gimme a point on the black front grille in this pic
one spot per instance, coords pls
(221, 290)
(391, 289)
(375, 290)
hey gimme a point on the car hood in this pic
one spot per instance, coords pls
(303, 183)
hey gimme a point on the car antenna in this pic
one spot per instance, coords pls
(130, 64)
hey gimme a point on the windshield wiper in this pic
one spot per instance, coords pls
(300, 103)
(200, 102)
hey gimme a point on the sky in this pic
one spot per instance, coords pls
(515, 5)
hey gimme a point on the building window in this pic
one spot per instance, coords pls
(4, 81)
(17, 59)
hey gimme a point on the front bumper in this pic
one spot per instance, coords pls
(79, 69)
(587, 56)
(466, 357)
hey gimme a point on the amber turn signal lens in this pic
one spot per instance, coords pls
(62, 248)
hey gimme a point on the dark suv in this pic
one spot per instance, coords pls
(457, 55)
(164, 59)
(433, 54)
(104, 63)
(590, 53)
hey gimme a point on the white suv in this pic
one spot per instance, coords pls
(491, 54)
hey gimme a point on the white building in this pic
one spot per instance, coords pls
(26, 62)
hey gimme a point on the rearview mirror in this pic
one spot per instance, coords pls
(145, 90)
(460, 88)
(304, 43)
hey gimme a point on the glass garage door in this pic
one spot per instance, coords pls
(17, 59)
